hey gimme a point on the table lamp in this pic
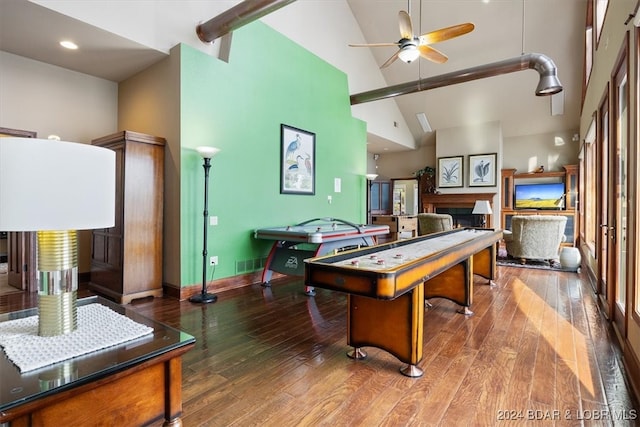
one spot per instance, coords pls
(482, 207)
(56, 188)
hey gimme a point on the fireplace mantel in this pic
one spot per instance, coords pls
(430, 202)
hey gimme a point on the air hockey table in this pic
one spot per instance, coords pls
(388, 286)
(312, 238)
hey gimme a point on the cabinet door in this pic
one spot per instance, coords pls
(381, 197)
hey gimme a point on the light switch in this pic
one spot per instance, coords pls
(337, 185)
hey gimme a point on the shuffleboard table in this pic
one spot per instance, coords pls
(312, 238)
(387, 286)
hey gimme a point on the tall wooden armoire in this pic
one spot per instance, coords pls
(126, 261)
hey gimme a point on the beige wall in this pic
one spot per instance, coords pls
(51, 100)
(149, 102)
(526, 153)
(612, 40)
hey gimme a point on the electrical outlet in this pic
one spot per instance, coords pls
(213, 260)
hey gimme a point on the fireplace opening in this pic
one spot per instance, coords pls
(462, 217)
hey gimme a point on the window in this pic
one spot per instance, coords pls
(589, 176)
(601, 12)
(588, 48)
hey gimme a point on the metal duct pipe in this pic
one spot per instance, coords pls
(548, 84)
(236, 17)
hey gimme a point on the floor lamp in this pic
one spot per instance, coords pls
(370, 178)
(204, 297)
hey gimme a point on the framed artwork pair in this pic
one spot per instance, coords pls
(482, 171)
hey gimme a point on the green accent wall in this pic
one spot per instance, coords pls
(238, 107)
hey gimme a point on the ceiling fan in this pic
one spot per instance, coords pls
(411, 47)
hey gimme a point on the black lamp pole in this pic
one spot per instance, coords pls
(204, 296)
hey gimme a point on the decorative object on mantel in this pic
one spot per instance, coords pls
(53, 177)
(99, 327)
(539, 169)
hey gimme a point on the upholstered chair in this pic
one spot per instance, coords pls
(535, 237)
(433, 223)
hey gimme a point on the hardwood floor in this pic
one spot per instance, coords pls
(537, 348)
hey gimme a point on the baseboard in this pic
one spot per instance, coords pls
(632, 367)
(217, 286)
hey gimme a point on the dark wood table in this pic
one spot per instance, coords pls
(388, 285)
(134, 383)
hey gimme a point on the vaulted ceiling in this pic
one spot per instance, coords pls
(504, 29)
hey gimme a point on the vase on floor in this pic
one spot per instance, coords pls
(570, 258)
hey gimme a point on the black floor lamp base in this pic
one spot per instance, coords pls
(204, 298)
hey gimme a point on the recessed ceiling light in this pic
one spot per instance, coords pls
(68, 44)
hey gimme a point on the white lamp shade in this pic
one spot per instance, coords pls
(207, 152)
(482, 207)
(55, 185)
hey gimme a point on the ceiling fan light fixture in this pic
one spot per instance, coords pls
(409, 54)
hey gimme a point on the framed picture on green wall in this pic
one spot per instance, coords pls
(297, 161)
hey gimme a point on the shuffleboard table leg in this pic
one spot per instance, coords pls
(357, 353)
(411, 371)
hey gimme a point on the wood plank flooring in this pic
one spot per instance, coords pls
(537, 351)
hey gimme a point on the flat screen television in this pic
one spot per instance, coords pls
(539, 196)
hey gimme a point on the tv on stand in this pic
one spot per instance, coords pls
(545, 196)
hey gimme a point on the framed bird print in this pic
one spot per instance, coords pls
(482, 170)
(297, 161)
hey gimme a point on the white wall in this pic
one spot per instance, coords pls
(526, 153)
(51, 100)
(327, 35)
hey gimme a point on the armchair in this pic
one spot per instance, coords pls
(535, 236)
(433, 223)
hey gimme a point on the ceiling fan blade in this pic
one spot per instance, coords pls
(406, 28)
(446, 33)
(391, 60)
(372, 44)
(427, 52)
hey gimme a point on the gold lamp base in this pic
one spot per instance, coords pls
(57, 282)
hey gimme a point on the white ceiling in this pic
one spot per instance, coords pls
(551, 27)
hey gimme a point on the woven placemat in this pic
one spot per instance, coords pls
(99, 327)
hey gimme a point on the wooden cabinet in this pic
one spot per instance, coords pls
(570, 178)
(126, 259)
